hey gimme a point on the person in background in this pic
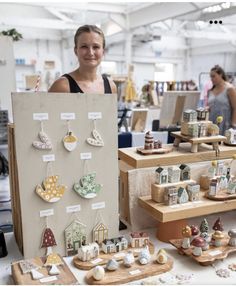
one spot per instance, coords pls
(222, 100)
(89, 45)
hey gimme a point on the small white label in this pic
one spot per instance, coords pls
(137, 250)
(46, 212)
(118, 255)
(174, 206)
(197, 202)
(73, 209)
(94, 115)
(40, 116)
(215, 252)
(67, 116)
(97, 206)
(85, 156)
(186, 205)
(48, 279)
(96, 261)
(48, 158)
(135, 272)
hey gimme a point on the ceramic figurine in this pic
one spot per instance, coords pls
(198, 243)
(157, 144)
(217, 238)
(53, 260)
(112, 265)
(195, 231)
(193, 191)
(161, 175)
(139, 239)
(162, 256)
(98, 273)
(218, 225)
(186, 232)
(189, 115)
(206, 236)
(144, 255)
(149, 141)
(173, 174)
(114, 244)
(214, 187)
(88, 252)
(230, 135)
(182, 195)
(202, 114)
(170, 196)
(232, 235)
(184, 172)
(128, 259)
(204, 226)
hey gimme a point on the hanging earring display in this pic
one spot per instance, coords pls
(97, 138)
(45, 142)
(100, 230)
(70, 140)
(87, 187)
(49, 191)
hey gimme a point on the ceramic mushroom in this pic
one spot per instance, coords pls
(198, 243)
(195, 231)
(217, 238)
(232, 235)
(186, 232)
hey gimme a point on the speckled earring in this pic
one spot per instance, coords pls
(97, 140)
(45, 142)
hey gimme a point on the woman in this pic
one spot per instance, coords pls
(222, 100)
(89, 48)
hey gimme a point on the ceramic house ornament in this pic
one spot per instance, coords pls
(53, 260)
(44, 143)
(49, 191)
(88, 252)
(28, 266)
(87, 188)
(48, 240)
(70, 141)
(100, 233)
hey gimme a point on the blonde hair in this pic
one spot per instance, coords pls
(89, 29)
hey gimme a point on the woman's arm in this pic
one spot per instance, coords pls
(113, 86)
(60, 85)
(232, 99)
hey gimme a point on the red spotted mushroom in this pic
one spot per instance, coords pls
(198, 243)
(195, 231)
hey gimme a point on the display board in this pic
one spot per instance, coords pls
(80, 111)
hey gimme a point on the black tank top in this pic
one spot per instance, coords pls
(74, 87)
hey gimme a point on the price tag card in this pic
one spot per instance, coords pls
(100, 205)
(48, 158)
(48, 279)
(67, 116)
(118, 255)
(73, 209)
(40, 116)
(96, 261)
(197, 202)
(47, 212)
(135, 272)
(94, 115)
(215, 252)
(175, 206)
(86, 156)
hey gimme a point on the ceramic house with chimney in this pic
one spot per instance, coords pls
(161, 175)
(170, 196)
(220, 168)
(182, 195)
(214, 187)
(202, 114)
(193, 129)
(230, 135)
(193, 191)
(173, 174)
(114, 244)
(184, 172)
(88, 252)
(190, 115)
(139, 239)
(231, 187)
(75, 236)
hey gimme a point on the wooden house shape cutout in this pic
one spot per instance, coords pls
(184, 172)
(75, 236)
(100, 233)
(161, 176)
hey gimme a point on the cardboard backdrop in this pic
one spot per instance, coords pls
(68, 165)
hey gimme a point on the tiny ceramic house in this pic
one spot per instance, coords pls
(182, 195)
(184, 172)
(114, 244)
(214, 187)
(149, 141)
(190, 115)
(161, 175)
(193, 130)
(88, 252)
(193, 191)
(139, 239)
(202, 114)
(170, 196)
(220, 168)
(231, 136)
(173, 174)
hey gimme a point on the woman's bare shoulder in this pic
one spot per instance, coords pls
(60, 85)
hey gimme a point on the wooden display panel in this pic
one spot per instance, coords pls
(68, 165)
(180, 156)
(208, 256)
(64, 278)
(104, 257)
(165, 213)
(124, 275)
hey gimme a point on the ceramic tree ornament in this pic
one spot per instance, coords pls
(96, 139)
(27, 266)
(87, 187)
(44, 143)
(50, 191)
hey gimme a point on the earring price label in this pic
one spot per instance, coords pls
(40, 116)
(73, 209)
(100, 205)
(68, 116)
(86, 156)
(94, 115)
(48, 212)
(48, 158)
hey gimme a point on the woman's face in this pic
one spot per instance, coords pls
(89, 49)
(216, 78)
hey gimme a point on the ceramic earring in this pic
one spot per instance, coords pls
(70, 140)
(97, 140)
(45, 142)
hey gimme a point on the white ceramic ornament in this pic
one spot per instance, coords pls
(70, 141)
(144, 255)
(96, 140)
(98, 273)
(112, 265)
(128, 259)
(44, 143)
